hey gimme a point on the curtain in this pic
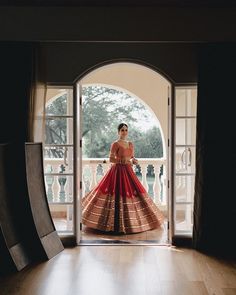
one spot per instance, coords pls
(23, 93)
(18, 70)
(215, 191)
(37, 101)
(37, 113)
(16, 60)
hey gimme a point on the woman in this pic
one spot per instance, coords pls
(119, 203)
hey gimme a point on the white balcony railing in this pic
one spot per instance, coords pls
(59, 186)
(59, 182)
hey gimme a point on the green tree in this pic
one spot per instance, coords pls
(55, 129)
(148, 144)
(103, 109)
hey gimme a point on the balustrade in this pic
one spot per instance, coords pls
(59, 187)
(59, 182)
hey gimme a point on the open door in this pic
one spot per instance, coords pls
(110, 83)
(78, 162)
(54, 126)
(184, 159)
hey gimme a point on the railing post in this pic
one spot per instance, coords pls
(91, 165)
(49, 180)
(144, 175)
(56, 188)
(62, 193)
(157, 185)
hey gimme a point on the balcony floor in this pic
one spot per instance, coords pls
(91, 236)
(157, 236)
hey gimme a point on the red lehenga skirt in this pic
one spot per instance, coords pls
(120, 204)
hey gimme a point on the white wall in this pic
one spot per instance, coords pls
(148, 85)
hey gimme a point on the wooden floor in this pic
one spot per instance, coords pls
(126, 270)
(156, 236)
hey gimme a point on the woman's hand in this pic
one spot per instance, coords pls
(131, 161)
(135, 161)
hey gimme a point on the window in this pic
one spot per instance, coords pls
(58, 156)
(184, 166)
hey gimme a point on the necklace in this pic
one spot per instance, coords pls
(123, 140)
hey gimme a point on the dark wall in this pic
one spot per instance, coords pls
(15, 79)
(162, 24)
(215, 202)
(16, 72)
(65, 62)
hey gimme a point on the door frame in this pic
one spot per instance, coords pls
(176, 239)
(78, 144)
(170, 154)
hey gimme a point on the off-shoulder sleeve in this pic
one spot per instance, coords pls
(113, 150)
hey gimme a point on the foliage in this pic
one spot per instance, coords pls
(147, 144)
(103, 109)
(56, 127)
(58, 106)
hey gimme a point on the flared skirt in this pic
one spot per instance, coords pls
(120, 204)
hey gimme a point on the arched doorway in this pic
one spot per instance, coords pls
(151, 90)
(58, 125)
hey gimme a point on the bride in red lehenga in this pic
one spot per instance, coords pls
(120, 203)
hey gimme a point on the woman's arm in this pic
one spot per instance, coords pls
(113, 153)
(133, 159)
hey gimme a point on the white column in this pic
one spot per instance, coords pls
(156, 185)
(56, 189)
(144, 175)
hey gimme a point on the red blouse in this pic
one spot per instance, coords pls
(118, 151)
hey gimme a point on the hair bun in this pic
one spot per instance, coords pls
(121, 125)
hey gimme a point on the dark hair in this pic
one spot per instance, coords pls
(121, 125)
